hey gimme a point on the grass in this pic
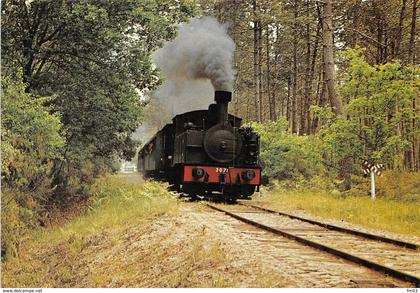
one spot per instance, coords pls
(383, 213)
(116, 205)
(130, 237)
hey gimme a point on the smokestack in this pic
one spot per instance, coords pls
(222, 99)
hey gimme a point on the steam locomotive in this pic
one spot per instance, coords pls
(205, 152)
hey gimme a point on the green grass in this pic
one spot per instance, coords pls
(383, 213)
(116, 203)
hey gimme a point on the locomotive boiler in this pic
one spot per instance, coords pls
(205, 151)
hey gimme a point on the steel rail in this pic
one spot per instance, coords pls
(341, 229)
(344, 255)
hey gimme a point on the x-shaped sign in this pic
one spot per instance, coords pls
(376, 168)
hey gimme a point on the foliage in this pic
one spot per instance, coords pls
(340, 143)
(31, 136)
(31, 141)
(285, 155)
(380, 107)
(311, 160)
(380, 123)
(94, 57)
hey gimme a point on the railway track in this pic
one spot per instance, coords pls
(341, 229)
(398, 259)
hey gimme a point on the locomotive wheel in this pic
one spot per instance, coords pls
(230, 197)
(174, 187)
(247, 190)
(193, 197)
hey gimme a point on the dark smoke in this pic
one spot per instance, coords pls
(202, 50)
(195, 64)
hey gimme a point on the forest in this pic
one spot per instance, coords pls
(327, 84)
(329, 69)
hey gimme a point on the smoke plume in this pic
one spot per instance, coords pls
(202, 50)
(195, 64)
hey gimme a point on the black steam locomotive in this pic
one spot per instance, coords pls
(205, 151)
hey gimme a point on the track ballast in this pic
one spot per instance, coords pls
(395, 258)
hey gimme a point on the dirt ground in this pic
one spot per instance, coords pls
(297, 265)
(133, 177)
(197, 247)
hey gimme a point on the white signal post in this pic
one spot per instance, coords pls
(372, 170)
(372, 185)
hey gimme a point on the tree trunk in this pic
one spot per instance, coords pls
(356, 24)
(379, 47)
(311, 78)
(412, 45)
(400, 29)
(330, 80)
(412, 59)
(260, 82)
(275, 80)
(295, 73)
(327, 39)
(235, 62)
(307, 96)
(271, 99)
(320, 96)
(256, 76)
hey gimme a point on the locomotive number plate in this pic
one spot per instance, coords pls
(221, 170)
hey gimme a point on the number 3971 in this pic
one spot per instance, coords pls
(221, 170)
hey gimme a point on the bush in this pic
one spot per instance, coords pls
(17, 217)
(285, 155)
(399, 185)
(31, 141)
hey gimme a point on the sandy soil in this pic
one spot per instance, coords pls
(198, 247)
(301, 266)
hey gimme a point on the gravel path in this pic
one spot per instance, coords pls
(301, 265)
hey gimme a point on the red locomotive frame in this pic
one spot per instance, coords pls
(232, 175)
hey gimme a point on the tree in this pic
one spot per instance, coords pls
(94, 57)
(329, 68)
(412, 44)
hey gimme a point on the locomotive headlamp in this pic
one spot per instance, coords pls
(197, 172)
(248, 175)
